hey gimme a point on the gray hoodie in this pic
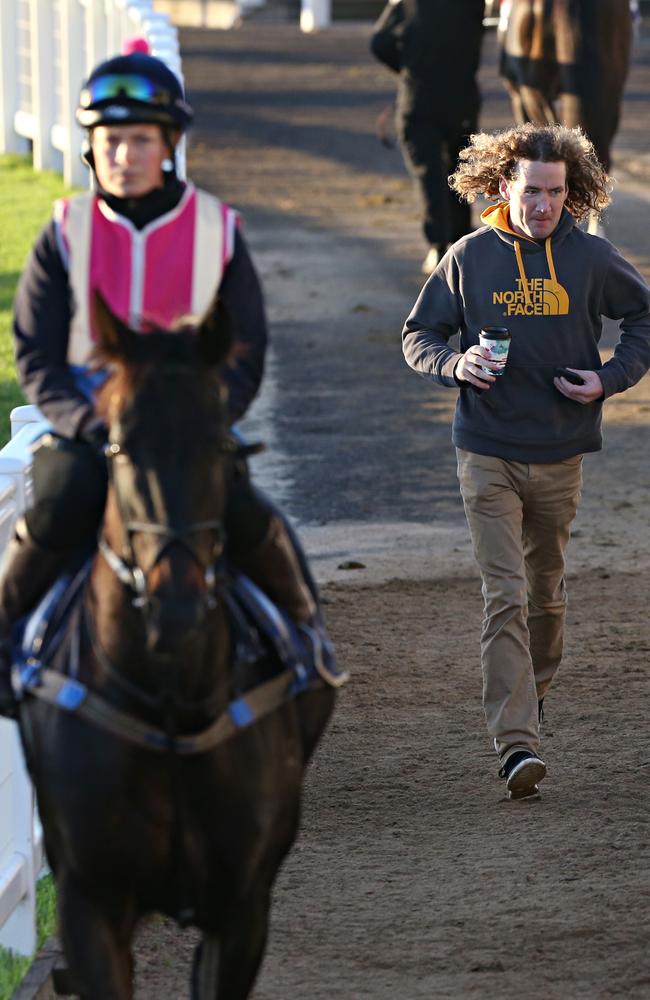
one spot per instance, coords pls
(551, 296)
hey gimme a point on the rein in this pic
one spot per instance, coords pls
(74, 697)
(154, 702)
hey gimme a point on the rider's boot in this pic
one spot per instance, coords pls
(274, 567)
(28, 570)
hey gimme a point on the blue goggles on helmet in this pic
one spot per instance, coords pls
(126, 86)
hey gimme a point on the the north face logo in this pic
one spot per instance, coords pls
(545, 298)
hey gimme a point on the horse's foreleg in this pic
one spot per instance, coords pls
(225, 968)
(97, 950)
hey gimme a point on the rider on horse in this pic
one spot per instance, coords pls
(157, 249)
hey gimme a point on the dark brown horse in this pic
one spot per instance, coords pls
(152, 800)
(566, 61)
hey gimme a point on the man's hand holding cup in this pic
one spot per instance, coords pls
(483, 363)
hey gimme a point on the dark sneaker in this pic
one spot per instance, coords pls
(522, 771)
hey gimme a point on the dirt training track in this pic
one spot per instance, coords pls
(414, 878)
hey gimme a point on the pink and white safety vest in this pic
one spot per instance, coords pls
(150, 278)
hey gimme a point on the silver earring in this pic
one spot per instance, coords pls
(167, 166)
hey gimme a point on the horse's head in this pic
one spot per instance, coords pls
(168, 463)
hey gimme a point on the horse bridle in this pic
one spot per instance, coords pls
(130, 573)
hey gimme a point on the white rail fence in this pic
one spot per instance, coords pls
(47, 48)
(21, 841)
(314, 14)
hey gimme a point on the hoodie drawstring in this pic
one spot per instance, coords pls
(522, 274)
(549, 258)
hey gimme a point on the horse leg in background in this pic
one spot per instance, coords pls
(536, 108)
(98, 952)
(518, 111)
(226, 966)
(529, 104)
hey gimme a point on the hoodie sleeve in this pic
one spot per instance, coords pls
(42, 310)
(435, 318)
(626, 297)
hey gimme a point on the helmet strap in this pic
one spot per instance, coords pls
(87, 155)
(171, 138)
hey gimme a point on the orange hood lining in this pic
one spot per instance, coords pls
(497, 216)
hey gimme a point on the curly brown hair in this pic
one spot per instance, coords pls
(489, 157)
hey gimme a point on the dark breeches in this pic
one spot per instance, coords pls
(432, 130)
(69, 480)
(431, 154)
(69, 494)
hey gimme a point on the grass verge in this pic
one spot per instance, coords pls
(25, 205)
(13, 967)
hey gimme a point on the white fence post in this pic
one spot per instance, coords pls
(96, 34)
(19, 872)
(41, 16)
(113, 35)
(315, 14)
(10, 141)
(163, 38)
(73, 71)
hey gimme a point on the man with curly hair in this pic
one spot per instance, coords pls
(521, 430)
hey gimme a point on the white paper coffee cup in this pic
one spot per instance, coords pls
(497, 340)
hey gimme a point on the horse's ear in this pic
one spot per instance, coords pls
(114, 338)
(216, 334)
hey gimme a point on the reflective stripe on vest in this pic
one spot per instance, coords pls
(153, 277)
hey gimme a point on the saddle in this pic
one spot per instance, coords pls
(296, 658)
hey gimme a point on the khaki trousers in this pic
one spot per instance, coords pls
(519, 515)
